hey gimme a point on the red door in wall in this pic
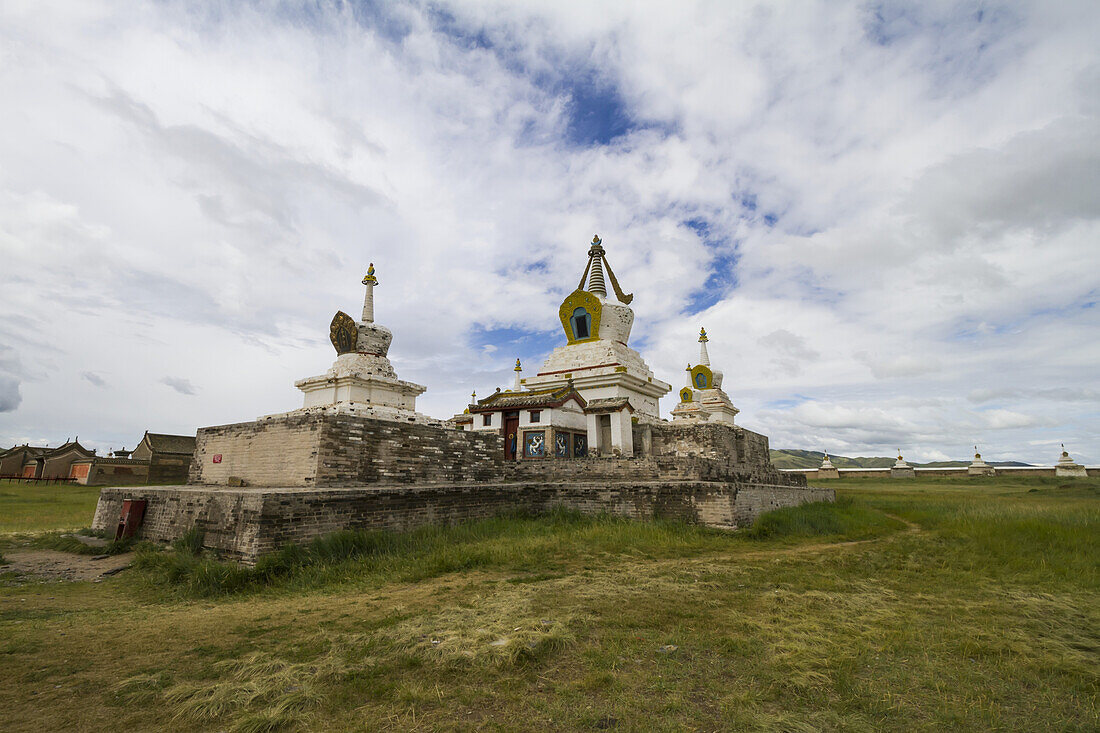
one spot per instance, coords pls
(511, 435)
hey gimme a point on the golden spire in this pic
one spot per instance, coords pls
(369, 278)
(518, 367)
(703, 335)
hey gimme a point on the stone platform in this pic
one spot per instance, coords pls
(244, 523)
(312, 472)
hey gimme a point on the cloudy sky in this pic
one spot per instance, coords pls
(886, 215)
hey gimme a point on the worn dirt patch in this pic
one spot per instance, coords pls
(54, 565)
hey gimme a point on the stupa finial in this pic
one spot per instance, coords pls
(593, 274)
(368, 299)
(704, 357)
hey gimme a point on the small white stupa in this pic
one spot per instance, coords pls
(702, 399)
(978, 467)
(827, 469)
(362, 381)
(519, 382)
(1067, 468)
(901, 469)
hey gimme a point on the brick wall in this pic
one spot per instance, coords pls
(267, 452)
(318, 449)
(354, 450)
(717, 451)
(172, 467)
(245, 523)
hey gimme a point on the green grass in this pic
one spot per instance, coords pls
(67, 543)
(982, 613)
(841, 519)
(518, 544)
(29, 507)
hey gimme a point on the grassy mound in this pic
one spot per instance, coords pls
(843, 519)
(541, 544)
(68, 543)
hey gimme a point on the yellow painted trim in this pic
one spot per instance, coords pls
(704, 370)
(580, 299)
(685, 394)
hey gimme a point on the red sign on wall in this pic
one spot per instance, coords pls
(217, 458)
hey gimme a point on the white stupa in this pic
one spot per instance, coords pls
(702, 399)
(978, 467)
(1067, 468)
(362, 380)
(827, 469)
(596, 359)
(901, 469)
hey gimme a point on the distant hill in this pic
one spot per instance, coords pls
(812, 459)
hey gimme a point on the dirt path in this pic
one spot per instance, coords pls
(54, 565)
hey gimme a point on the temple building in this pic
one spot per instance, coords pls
(362, 381)
(702, 399)
(357, 455)
(14, 461)
(589, 393)
(31, 462)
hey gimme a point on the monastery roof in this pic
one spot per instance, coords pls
(104, 460)
(608, 404)
(31, 449)
(67, 446)
(161, 443)
(531, 398)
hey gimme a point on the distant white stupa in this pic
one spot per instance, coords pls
(1067, 468)
(702, 398)
(978, 467)
(901, 469)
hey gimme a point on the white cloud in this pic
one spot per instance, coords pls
(901, 205)
(179, 384)
(9, 394)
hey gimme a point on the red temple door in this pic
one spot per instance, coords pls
(511, 435)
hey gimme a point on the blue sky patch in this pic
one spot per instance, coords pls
(722, 267)
(787, 402)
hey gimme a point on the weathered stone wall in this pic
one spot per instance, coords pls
(756, 499)
(268, 452)
(354, 450)
(166, 468)
(229, 519)
(720, 450)
(337, 471)
(117, 473)
(321, 449)
(245, 523)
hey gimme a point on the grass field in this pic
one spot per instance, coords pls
(29, 507)
(927, 605)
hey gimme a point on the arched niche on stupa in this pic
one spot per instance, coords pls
(580, 314)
